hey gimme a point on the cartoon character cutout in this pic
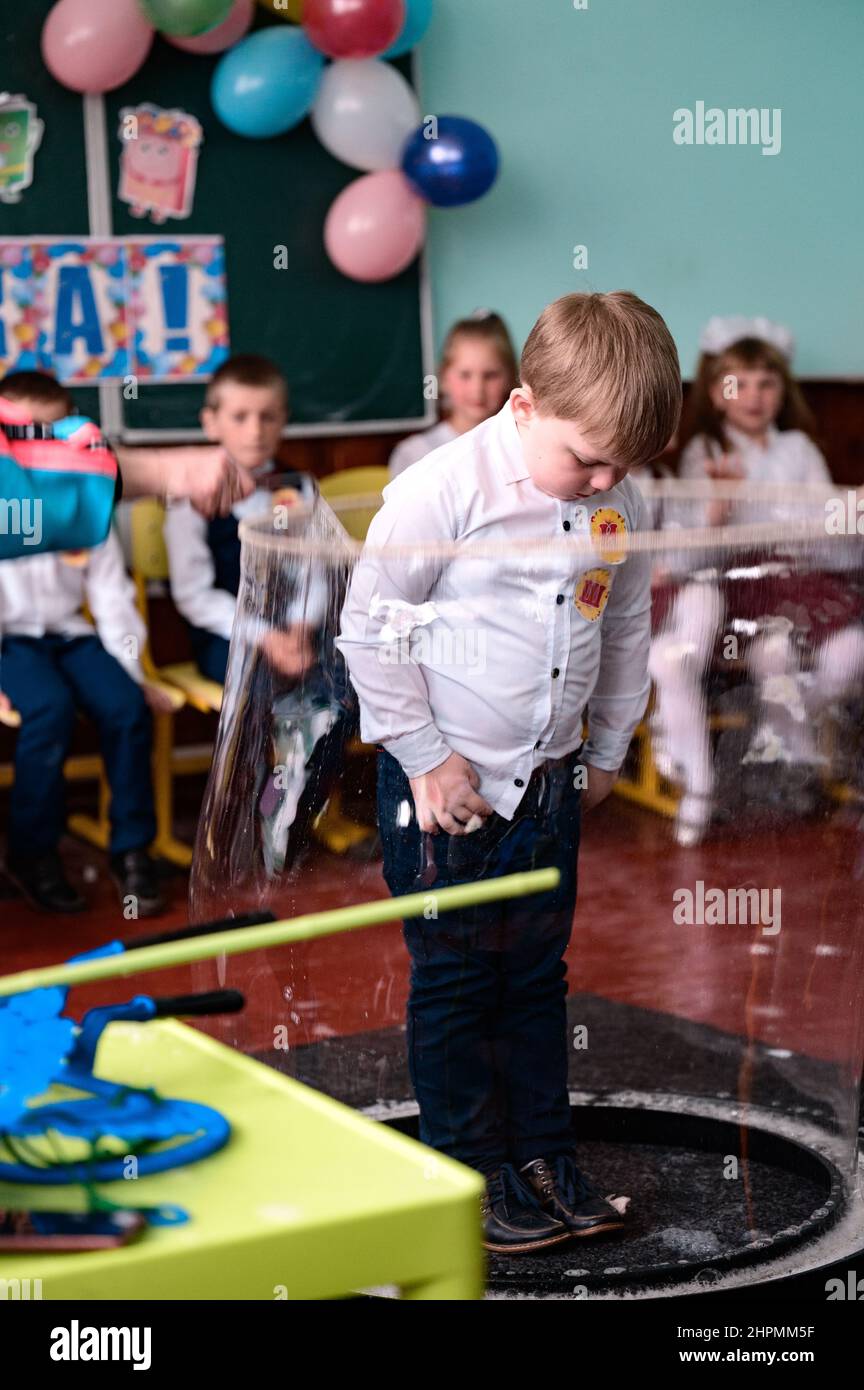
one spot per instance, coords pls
(159, 161)
(20, 135)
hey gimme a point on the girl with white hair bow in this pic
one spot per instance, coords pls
(746, 421)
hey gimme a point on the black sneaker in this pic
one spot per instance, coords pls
(43, 882)
(135, 876)
(566, 1194)
(513, 1221)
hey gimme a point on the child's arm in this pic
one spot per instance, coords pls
(202, 474)
(52, 506)
(111, 600)
(388, 598)
(620, 694)
(705, 459)
(193, 574)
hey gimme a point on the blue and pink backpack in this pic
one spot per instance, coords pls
(58, 484)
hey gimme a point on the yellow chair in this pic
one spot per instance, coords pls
(150, 562)
(355, 496)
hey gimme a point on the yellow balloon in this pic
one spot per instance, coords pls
(286, 9)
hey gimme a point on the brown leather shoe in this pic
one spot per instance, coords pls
(565, 1193)
(513, 1221)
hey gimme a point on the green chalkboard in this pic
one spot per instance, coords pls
(56, 202)
(351, 352)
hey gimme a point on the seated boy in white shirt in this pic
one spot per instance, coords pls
(52, 665)
(480, 771)
(245, 410)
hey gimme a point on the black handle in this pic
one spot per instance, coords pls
(217, 1001)
(247, 919)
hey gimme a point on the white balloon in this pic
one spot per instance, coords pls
(364, 113)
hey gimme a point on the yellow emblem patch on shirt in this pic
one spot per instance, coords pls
(606, 524)
(592, 593)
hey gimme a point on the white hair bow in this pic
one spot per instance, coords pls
(720, 333)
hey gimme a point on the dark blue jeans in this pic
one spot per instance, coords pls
(210, 652)
(48, 679)
(487, 1025)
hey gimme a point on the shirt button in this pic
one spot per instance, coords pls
(560, 599)
(518, 782)
(555, 673)
(566, 525)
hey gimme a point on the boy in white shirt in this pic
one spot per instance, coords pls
(52, 665)
(245, 410)
(480, 770)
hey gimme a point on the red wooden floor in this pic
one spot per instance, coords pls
(800, 988)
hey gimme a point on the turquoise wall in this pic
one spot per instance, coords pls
(581, 103)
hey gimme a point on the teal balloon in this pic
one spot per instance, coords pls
(418, 17)
(267, 82)
(183, 19)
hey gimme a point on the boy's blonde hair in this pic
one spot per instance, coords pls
(609, 363)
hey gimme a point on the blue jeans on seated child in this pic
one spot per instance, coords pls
(487, 1024)
(48, 679)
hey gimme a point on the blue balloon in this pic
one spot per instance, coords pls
(456, 166)
(267, 82)
(418, 17)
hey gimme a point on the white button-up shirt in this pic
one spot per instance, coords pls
(43, 594)
(788, 457)
(497, 658)
(191, 565)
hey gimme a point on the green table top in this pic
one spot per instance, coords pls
(308, 1200)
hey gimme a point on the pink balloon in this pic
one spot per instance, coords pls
(375, 227)
(95, 45)
(225, 35)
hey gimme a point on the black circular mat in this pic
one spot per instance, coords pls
(706, 1196)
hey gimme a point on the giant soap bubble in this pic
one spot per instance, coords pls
(715, 1010)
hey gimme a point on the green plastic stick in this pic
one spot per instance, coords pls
(313, 924)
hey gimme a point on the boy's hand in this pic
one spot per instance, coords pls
(209, 478)
(8, 716)
(600, 784)
(447, 797)
(727, 466)
(159, 700)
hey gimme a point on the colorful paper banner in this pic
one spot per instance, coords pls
(90, 309)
